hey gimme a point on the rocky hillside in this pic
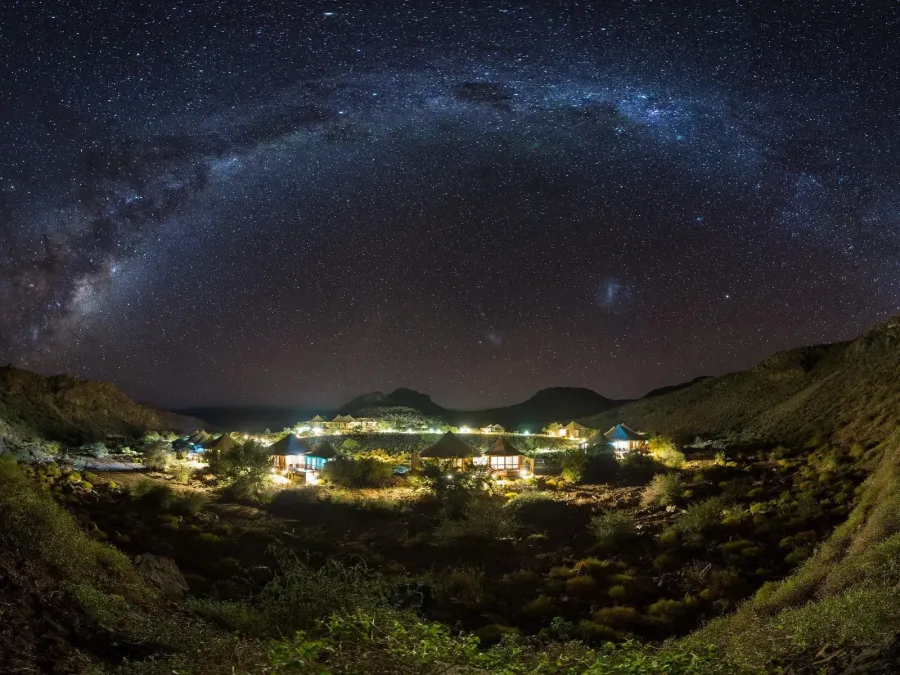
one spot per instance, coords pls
(67, 409)
(850, 390)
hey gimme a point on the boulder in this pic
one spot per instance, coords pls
(162, 573)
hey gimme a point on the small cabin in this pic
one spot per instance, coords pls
(624, 439)
(317, 457)
(341, 423)
(505, 461)
(366, 424)
(574, 430)
(449, 448)
(287, 453)
(493, 429)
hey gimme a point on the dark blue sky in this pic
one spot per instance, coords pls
(292, 205)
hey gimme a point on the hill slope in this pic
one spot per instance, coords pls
(65, 408)
(851, 389)
(547, 405)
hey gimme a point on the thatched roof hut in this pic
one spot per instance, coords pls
(289, 445)
(448, 446)
(223, 442)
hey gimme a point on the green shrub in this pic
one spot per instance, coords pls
(600, 466)
(466, 584)
(157, 455)
(581, 585)
(157, 496)
(739, 551)
(530, 499)
(452, 486)
(620, 618)
(612, 528)
(727, 583)
(594, 633)
(559, 572)
(636, 468)
(481, 519)
(696, 520)
(96, 450)
(619, 592)
(573, 465)
(541, 606)
(244, 469)
(361, 472)
(669, 537)
(51, 469)
(672, 610)
(665, 562)
(181, 473)
(663, 490)
(493, 633)
(665, 451)
(592, 566)
(188, 503)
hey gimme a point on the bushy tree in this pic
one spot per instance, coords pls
(244, 468)
(573, 466)
(552, 429)
(452, 486)
(663, 490)
(594, 465)
(158, 455)
(665, 451)
(358, 472)
(612, 528)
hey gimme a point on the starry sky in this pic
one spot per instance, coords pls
(290, 203)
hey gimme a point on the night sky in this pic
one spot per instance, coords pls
(293, 203)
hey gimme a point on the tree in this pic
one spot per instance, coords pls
(552, 429)
(665, 451)
(358, 472)
(455, 487)
(350, 445)
(243, 468)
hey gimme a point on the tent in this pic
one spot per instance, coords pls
(624, 438)
(199, 437)
(223, 442)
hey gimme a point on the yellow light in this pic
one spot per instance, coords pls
(464, 430)
(278, 479)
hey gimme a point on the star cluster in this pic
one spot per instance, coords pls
(293, 203)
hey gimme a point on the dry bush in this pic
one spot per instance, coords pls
(663, 490)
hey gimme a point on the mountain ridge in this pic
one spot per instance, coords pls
(550, 404)
(66, 408)
(848, 389)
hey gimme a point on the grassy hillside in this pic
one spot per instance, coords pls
(844, 600)
(64, 408)
(850, 390)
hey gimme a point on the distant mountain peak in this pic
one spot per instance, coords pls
(546, 405)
